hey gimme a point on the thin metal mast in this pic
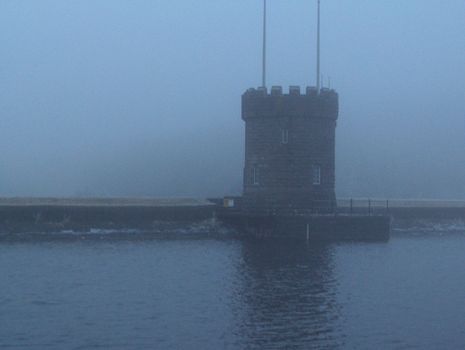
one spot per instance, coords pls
(264, 46)
(318, 51)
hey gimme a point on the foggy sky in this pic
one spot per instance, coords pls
(142, 98)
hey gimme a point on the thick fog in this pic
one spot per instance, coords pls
(142, 98)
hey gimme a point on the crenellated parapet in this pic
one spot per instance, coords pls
(275, 103)
(289, 148)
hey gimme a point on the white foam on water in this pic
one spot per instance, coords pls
(207, 227)
(432, 227)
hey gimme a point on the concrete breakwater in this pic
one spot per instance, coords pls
(347, 219)
(85, 214)
(408, 213)
(333, 228)
(19, 215)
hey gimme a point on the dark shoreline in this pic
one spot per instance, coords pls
(84, 217)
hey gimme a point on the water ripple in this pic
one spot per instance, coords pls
(230, 294)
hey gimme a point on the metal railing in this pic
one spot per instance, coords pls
(343, 206)
(367, 206)
(358, 207)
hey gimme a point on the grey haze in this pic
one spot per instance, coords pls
(142, 98)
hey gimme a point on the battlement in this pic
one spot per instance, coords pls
(261, 103)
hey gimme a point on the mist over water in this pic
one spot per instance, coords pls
(118, 98)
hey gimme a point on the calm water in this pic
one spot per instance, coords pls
(225, 293)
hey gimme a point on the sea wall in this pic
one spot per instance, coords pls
(19, 215)
(45, 216)
(335, 228)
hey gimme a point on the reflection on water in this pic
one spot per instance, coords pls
(230, 294)
(288, 296)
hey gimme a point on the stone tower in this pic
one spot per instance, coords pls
(289, 149)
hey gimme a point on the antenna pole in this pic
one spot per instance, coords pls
(318, 51)
(264, 46)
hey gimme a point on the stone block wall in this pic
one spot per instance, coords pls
(289, 137)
